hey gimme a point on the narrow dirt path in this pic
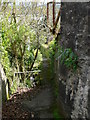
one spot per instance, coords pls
(40, 105)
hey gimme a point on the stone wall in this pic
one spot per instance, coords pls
(74, 87)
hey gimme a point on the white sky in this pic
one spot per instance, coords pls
(46, 0)
(30, 0)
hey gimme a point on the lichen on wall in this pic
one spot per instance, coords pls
(81, 97)
(75, 85)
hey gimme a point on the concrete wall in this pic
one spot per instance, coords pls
(74, 88)
(4, 85)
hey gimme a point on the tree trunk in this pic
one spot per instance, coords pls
(36, 51)
(34, 59)
(22, 69)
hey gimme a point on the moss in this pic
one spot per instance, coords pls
(56, 114)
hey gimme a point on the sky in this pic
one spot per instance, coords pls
(46, 0)
(30, 0)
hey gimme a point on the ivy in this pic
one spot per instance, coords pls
(67, 57)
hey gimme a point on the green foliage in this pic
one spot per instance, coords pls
(20, 40)
(13, 87)
(48, 51)
(38, 60)
(28, 59)
(44, 50)
(56, 114)
(28, 83)
(52, 50)
(18, 49)
(67, 57)
(5, 62)
(52, 47)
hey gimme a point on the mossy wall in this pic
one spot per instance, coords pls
(74, 87)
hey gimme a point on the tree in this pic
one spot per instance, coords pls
(22, 36)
